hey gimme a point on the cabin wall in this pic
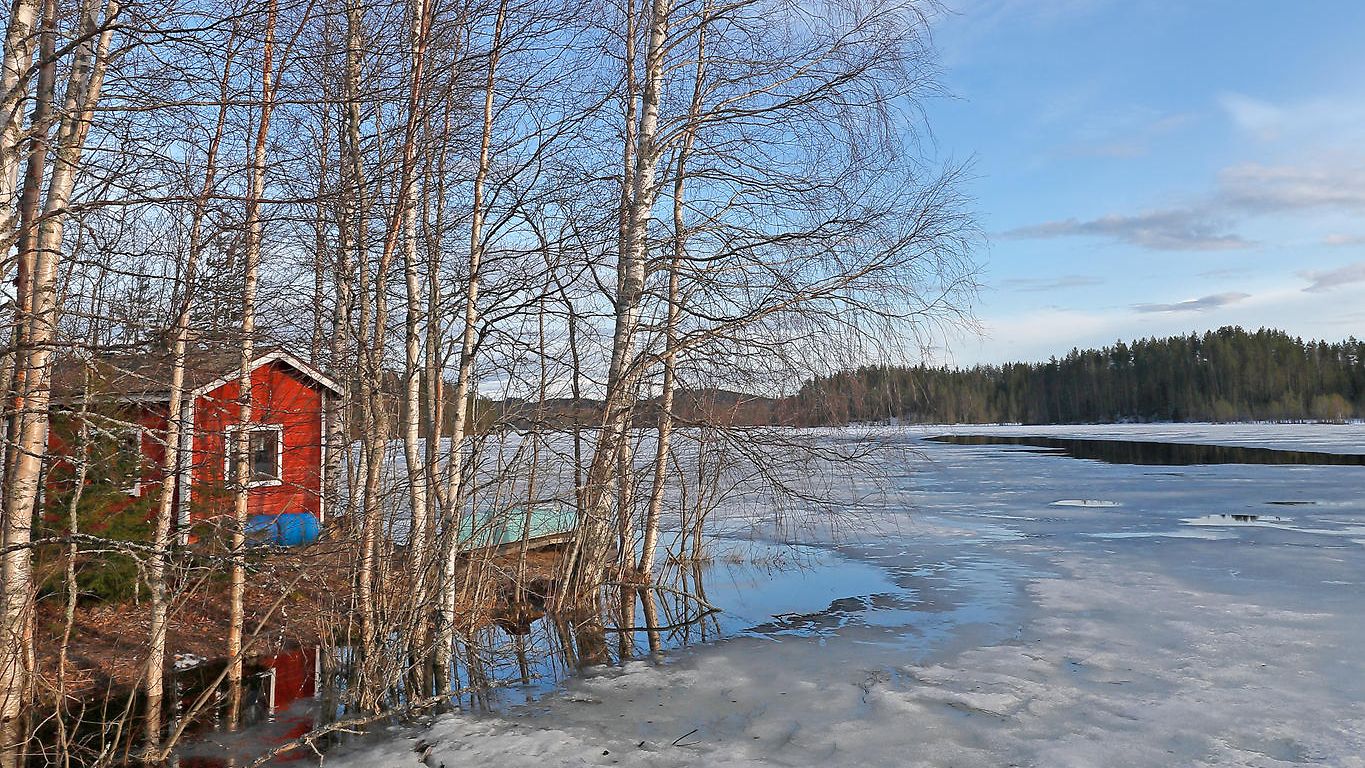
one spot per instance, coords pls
(280, 396)
(64, 440)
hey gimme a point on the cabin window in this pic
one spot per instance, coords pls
(265, 444)
(114, 456)
(127, 465)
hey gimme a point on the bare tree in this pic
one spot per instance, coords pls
(36, 322)
(178, 431)
(242, 481)
(674, 312)
(464, 380)
(597, 222)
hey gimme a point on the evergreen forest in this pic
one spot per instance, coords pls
(1225, 375)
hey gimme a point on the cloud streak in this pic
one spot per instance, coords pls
(1321, 281)
(1242, 191)
(1341, 240)
(1254, 188)
(1039, 284)
(1202, 304)
(1317, 121)
(1261, 119)
(1166, 230)
(1130, 133)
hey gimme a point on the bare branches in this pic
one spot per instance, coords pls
(553, 252)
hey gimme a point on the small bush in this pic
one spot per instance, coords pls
(105, 510)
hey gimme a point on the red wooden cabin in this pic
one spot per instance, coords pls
(288, 453)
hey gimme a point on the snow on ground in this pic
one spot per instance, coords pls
(1211, 615)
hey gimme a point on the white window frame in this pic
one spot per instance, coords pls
(230, 441)
(131, 437)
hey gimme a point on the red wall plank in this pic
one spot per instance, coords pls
(279, 395)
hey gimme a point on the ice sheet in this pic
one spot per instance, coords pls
(1329, 438)
(1214, 616)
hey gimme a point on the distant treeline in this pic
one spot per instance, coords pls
(1224, 375)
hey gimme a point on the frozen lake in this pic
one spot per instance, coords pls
(1005, 605)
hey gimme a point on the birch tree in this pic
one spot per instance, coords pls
(177, 430)
(643, 156)
(36, 324)
(464, 380)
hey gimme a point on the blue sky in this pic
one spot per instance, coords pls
(1149, 168)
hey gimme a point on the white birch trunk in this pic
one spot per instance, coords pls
(416, 458)
(445, 639)
(242, 480)
(34, 362)
(594, 530)
(154, 682)
(377, 413)
(656, 496)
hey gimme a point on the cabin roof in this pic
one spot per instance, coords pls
(146, 377)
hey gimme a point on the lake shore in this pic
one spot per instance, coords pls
(1205, 615)
(298, 597)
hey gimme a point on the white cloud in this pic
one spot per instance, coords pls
(1325, 280)
(1166, 230)
(1202, 304)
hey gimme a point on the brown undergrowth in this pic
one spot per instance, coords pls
(298, 597)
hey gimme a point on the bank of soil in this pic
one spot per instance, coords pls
(298, 597)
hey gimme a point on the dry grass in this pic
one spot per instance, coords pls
(303, 594)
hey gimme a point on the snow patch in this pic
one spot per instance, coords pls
(1068, 637)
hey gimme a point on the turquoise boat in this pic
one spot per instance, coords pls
(506, 526)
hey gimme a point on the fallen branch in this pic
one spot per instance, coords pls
(667, 627)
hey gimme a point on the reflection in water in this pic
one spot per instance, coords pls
(523, 653)
(276, 702)
(1154, 453)
(528, 652)
(1233, 518)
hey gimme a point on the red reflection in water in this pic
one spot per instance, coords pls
(293, 676)
(283, 679)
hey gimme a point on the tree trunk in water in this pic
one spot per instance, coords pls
(154, 683)
(33, 369)
(370, 387)
(445, 640)
(376, 410)
(413, 453)
(242, 480)
(594, 531)
(656, 495)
